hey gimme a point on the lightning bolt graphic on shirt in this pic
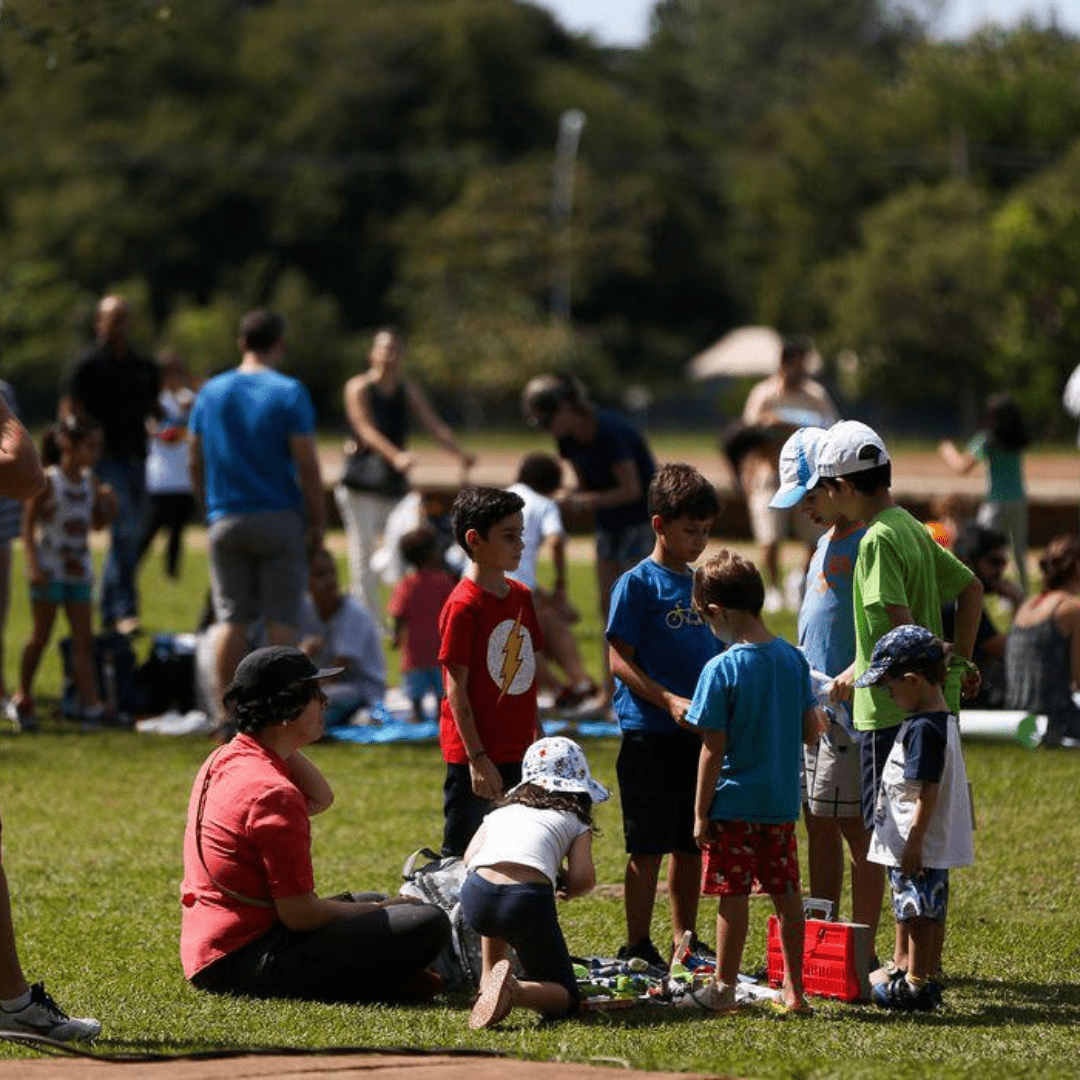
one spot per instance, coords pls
(512, 659)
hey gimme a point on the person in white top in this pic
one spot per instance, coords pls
(336, 631)
(778, 406)
(515, 864)
(922, 820)
(168, 463)
(56, 542)
(539, 477)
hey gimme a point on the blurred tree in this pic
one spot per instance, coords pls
(1037, 236)
(918, 300)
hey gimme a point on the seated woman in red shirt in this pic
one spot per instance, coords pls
(252, 921)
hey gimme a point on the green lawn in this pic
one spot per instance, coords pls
(92, 840)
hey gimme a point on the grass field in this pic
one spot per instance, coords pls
(92, 844)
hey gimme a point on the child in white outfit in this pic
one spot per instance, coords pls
(56, 537)
(515, 873)
(922, 818)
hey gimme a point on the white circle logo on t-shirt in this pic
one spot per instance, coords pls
(510, 659)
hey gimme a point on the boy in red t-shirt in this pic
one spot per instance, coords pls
(414, 606)
(490, 638)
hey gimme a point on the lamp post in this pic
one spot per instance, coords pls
(562, 200)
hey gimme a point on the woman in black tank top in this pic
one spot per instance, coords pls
(381, 403)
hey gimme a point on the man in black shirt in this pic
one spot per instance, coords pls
(118, 387)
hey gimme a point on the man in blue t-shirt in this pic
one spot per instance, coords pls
(658, 646)
(255, 465)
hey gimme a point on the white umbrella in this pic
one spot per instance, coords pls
(750, 350)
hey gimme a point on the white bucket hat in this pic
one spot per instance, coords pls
(558, 764)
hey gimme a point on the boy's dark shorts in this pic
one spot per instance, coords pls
(462, 810)
(874, 747)
(657, 783)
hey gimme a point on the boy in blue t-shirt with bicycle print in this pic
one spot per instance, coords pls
(658, 645)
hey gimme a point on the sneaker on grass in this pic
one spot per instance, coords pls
(644, 950)
(713, 997)
(20, 711)
(42, 1016)
(899, 995)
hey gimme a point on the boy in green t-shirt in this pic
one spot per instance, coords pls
(902, 575)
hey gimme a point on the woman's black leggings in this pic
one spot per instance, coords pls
(372, 957)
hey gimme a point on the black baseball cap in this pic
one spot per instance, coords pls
(268, 671)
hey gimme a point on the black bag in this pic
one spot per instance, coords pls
(167, 679)
(114, 665)
(366, 470)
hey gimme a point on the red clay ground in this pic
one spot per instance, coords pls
(327, 1067)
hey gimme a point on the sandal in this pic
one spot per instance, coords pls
(494, 1002)
(802, 1007)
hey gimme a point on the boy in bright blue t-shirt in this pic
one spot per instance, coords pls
(754, 707)
(658, 646)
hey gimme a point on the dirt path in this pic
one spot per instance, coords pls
(336, 1066)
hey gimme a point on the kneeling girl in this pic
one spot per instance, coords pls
(515, 865)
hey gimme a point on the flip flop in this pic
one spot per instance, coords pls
(494, 1002)
(799, 1008)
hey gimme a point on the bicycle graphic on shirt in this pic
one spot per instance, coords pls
(679, 617)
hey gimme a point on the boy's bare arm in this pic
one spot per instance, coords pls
(620, 657)
(713, 747)
(968, 613)
(486, 781)
(814, 724)
(911, 861)
(898, 615)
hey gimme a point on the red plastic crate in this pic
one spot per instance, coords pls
(836, 959)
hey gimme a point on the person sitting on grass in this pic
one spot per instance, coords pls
(922, 820)
(415, 606)
(753, 706)
(515, 865)
(252, 923)
(337, 631)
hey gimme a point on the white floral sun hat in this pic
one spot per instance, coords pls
(558, 764)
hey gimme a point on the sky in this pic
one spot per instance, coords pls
(626, 22)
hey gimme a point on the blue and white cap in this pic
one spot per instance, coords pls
(903, 648)
(798, 461)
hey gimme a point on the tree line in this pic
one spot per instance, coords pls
(822, 166)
